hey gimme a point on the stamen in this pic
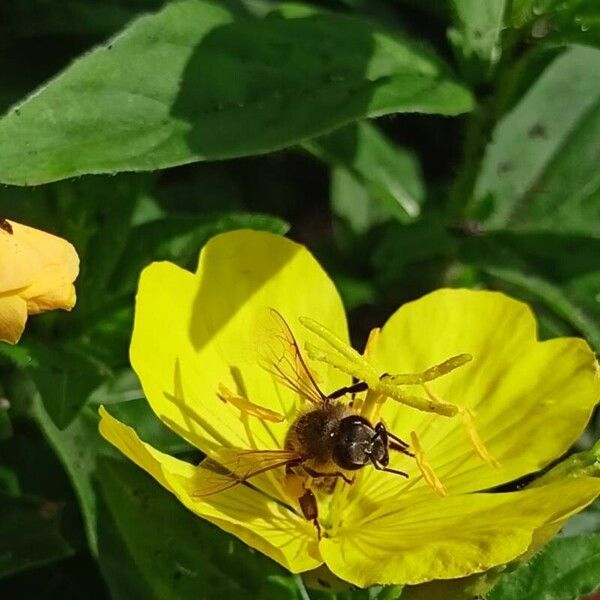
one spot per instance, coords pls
(468, 419)
(244, 405)
(452, 363)
(343, 357)
(371, 404)
(430, 404)
(426, 470)
(371, 344)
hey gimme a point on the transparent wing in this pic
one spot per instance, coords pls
(231, 466)
(279, 354)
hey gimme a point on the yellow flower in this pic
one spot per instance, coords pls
(194, 336)
(37, 271)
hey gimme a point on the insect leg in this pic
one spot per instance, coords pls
(397, 439)
(316, 474)
(308, 505)
(388, 469)
(360, 386)
(399, 448)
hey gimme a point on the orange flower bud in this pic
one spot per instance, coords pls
(37, 271)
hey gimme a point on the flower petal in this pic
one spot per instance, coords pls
(39, 266)
(425, 537)
(193, 332)
(531, 399)
(258, 521)
(13, 315)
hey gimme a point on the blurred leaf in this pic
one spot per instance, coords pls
(559, 21)
(87, 17)
(476, 34)
(351, 201)
(587, 521)
(561, 271)
(473, 587)
(179, 239)
(176, 553)
(541, 169)
(5, 424)
(355, 292)
(29, 534)
(78, 446)
(566, 569)
(192, 83)
(390, 175)
(65, 377)
(402, 250)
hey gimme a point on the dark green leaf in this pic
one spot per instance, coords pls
(29, 534)
(587, 521)
(558, 270)
(65, 376)
(541, 169)
(176, 553)
(559, 21)
(476, 34)
(566, 569)
(78, 446)
(390, 176)
(193, 83)
(179, 239)
(88, 17)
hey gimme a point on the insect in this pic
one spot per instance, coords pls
(5, 225)
(327, 441)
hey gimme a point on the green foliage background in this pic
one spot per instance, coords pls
(153, 127)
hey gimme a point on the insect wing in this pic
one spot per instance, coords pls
(280, 355)
(231, 466)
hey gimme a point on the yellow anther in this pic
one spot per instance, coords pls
(245, 406)
(426, 469)
(468, 419)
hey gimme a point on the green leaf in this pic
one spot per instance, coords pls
(476, 35)
(195, 82)
(587, 521)
(559, 21)
(390, 176)
(29, 534)
(176, 553)
(78, 446)
(541, 169)
(65, 376)
(87, 17)
(566, 569)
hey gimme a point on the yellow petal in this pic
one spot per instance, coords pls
(195, 332)
(13, 315)
(39, 267)
(257, 520)
(531, 399)
(423, 537)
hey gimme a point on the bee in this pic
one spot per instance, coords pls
(327, 441)
(5, 225)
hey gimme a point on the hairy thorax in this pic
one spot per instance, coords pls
(314, 432)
